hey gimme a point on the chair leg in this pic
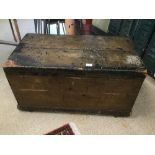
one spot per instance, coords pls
(13, 33)
(17, 29)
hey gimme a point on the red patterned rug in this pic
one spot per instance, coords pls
(67, 129)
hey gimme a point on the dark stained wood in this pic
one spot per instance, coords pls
(50, 73)
(75, 52)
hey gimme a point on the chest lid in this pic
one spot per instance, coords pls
(75, 52)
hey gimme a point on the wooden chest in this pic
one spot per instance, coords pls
(93, 74)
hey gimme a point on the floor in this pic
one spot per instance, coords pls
(13, 121)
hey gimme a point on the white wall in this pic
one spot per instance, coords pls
(25, 26)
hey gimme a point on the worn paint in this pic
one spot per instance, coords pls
(52, 74)
(130, 59)
(74, 52)
(10, 63)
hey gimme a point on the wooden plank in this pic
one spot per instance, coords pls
(77, 93)
(76, 52)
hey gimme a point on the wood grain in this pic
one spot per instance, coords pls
(50, 73)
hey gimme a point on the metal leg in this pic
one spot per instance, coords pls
(47, 23)
(38, 25)
(58, 28)
(49, 26)
(35, 25)
(45, 26)
(63, 27)
(41, 26)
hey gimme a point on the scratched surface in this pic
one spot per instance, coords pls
(34, 71)
(75, 52)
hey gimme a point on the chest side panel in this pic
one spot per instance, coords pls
(78, 93)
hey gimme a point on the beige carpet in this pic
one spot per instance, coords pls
(13, 121)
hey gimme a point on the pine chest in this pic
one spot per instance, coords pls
(93, 74)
